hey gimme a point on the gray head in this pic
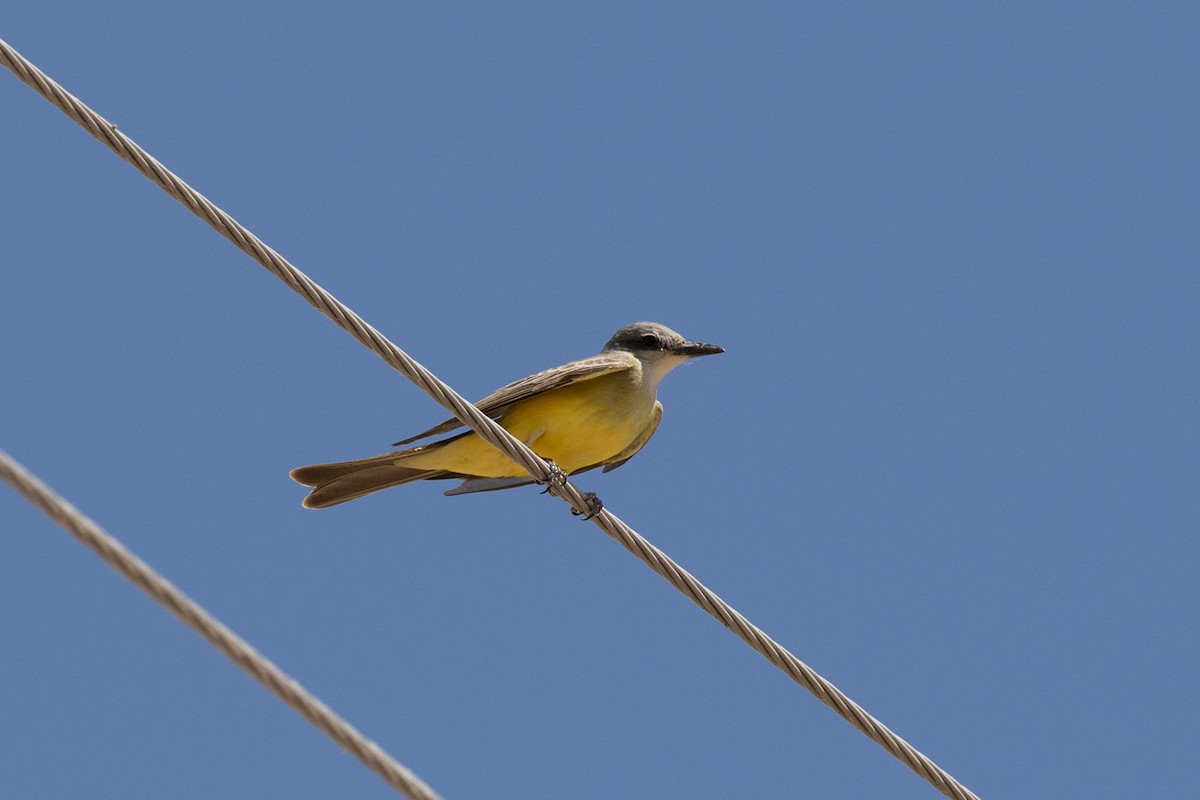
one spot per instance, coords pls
(658, 348)
(651, 341)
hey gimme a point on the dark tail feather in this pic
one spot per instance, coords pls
(346, 480)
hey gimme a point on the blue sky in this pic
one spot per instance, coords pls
(949, 459)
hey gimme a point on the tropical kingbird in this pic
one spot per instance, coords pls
(595, 412)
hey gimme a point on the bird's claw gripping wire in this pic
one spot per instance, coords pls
(557, 478)
(594, 504)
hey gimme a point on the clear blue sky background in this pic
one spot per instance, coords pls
(950, 459)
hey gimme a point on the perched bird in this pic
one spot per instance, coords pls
(595, 412)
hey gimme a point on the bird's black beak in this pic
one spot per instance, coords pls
(694, 349)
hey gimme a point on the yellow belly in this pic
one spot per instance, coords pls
(576, 426)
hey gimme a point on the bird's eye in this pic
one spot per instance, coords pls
(650, 340)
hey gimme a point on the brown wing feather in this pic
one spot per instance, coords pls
(495, 403)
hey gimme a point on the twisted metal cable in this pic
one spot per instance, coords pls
(487, 428)
(236, 649)
(247, 242)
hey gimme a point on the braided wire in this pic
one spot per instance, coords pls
(236, 649)
(487, 428)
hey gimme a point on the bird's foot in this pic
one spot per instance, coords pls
(557, 478)
(594, 505)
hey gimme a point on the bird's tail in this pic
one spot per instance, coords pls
(346, 480)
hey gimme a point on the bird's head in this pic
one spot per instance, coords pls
(659, 348)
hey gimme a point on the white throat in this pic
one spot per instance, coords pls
(653, 370)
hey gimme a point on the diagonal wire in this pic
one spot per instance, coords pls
(236, 649)
(487, 428)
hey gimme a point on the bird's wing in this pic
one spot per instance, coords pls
(498, 401)
(639, 442)
(471, 485)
